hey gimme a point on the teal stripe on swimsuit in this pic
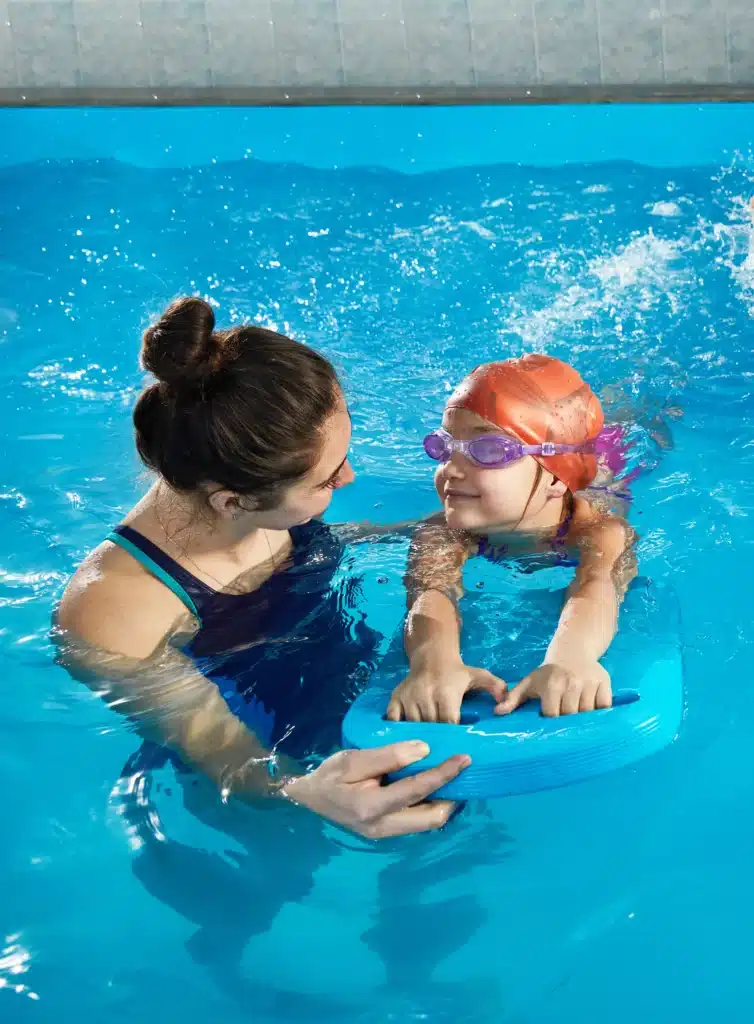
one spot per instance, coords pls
(156, 570)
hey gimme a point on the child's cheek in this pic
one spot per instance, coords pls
(493, 491)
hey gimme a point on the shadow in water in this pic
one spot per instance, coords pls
(426, 907)
(416, 925)
(231, 896)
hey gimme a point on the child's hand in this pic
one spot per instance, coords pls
(562, 689)
(435, 694)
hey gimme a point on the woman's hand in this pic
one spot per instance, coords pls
(563, 689)
(434, 694)
(347, 789)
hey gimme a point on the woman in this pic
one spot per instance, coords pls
(207, 615)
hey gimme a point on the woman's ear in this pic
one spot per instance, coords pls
(228, 504)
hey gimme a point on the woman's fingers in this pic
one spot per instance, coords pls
(362, 765)
(416, 788)
(422, 818)
(346, 788)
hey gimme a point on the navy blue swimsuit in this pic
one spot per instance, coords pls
(288, 657)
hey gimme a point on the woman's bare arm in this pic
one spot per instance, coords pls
(375, 533)
(119, 635)
(127, 657)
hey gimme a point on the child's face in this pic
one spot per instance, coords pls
(477, 499)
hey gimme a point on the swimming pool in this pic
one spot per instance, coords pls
(625, 897)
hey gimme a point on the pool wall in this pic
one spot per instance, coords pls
(280, 51)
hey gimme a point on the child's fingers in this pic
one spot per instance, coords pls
(393, 713)
(490, 684)
(413, 712)
(571, 699)
(449, 709)
(604, 697)
(552, 699)
(515, 698)
(426, 710)
(588, 699)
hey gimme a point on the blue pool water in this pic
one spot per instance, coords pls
(625, 898)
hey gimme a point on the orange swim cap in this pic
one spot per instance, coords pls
(537, 398)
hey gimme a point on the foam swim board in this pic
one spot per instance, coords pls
(524, 752)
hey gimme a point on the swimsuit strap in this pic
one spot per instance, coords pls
(192, 591)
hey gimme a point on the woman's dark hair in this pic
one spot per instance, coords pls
(242, 408)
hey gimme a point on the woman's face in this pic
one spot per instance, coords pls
(309, 497)
(477, 499)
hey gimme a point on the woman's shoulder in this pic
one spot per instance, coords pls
(114, 604)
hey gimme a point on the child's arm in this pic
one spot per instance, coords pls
(589, 618)
(437, 679)
(434, 585)
(570, 678)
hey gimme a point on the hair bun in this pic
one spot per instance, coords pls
(180, 347)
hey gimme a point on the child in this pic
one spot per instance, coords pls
(519, 440)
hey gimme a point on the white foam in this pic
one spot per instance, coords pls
(663, 209)
(637, 275)
(478, 228)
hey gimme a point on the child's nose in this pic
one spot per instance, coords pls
(456, 466)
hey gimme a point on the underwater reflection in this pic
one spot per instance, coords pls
(424, 909)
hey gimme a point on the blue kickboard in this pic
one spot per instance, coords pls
(524, 752)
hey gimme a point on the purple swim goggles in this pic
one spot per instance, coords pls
(494, 451)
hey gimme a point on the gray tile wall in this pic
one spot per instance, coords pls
(201, 44)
